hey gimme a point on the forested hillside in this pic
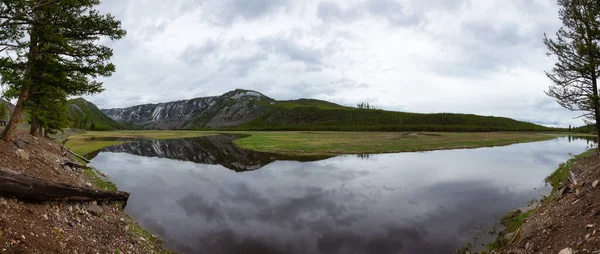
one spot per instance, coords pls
(85, 115)
(320, 115)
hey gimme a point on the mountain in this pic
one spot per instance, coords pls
(251, 110)
(231, 109)
(85, 115)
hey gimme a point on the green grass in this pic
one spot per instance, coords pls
(513, 221)
(320, 143)
(93, 175)
(151, 240)
(560, 175)
(332, 143)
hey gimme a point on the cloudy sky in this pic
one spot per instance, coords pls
(478, 56)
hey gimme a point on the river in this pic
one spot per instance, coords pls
(205, 195)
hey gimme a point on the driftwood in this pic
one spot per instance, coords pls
(25, 187)
(572, 178)
(73, 153)
(73, 164)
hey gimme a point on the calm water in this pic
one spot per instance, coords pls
(207, 196)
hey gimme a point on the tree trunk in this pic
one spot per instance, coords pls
(25, 187)
(35, 127)
(24, 94)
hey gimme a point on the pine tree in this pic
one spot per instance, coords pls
(575, 75)
(53, 43)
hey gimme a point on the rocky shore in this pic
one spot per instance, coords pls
(566, 221)
(63, 226)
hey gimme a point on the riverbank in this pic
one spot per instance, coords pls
(63, 227)
(321, 143)
(566, 220)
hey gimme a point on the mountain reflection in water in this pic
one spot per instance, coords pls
(215, 150)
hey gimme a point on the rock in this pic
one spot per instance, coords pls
(22, 154)
(95, 210)
(45, 216)
(509, 236)
(88, 184)
(67, 168)
(3, 201)
(528, 245)
(588, 226)
(126, 228)
(566, 251)
(595, 183)
(20, 144)
(62, 245)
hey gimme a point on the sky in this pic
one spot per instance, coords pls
(480, 56)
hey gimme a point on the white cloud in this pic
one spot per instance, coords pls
(483, 57)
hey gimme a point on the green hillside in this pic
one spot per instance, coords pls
(85, 115)
(325, 116)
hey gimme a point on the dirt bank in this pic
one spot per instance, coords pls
(568, 220)
(63, 227)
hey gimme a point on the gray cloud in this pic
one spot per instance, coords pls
(291, 50)
(242, 65)
(195, 54)
(226, 12)
(393, 11)
(330, 11)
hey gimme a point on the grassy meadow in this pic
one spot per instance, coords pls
(319, 143)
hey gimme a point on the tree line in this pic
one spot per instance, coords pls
(354, 119)
(49, 51)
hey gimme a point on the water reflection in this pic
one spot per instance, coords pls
(590, 140)
(430, 202)
(217, 150)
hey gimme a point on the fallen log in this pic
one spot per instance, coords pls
(25, 187)
(76, 155)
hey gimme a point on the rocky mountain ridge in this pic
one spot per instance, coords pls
(230, 109)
